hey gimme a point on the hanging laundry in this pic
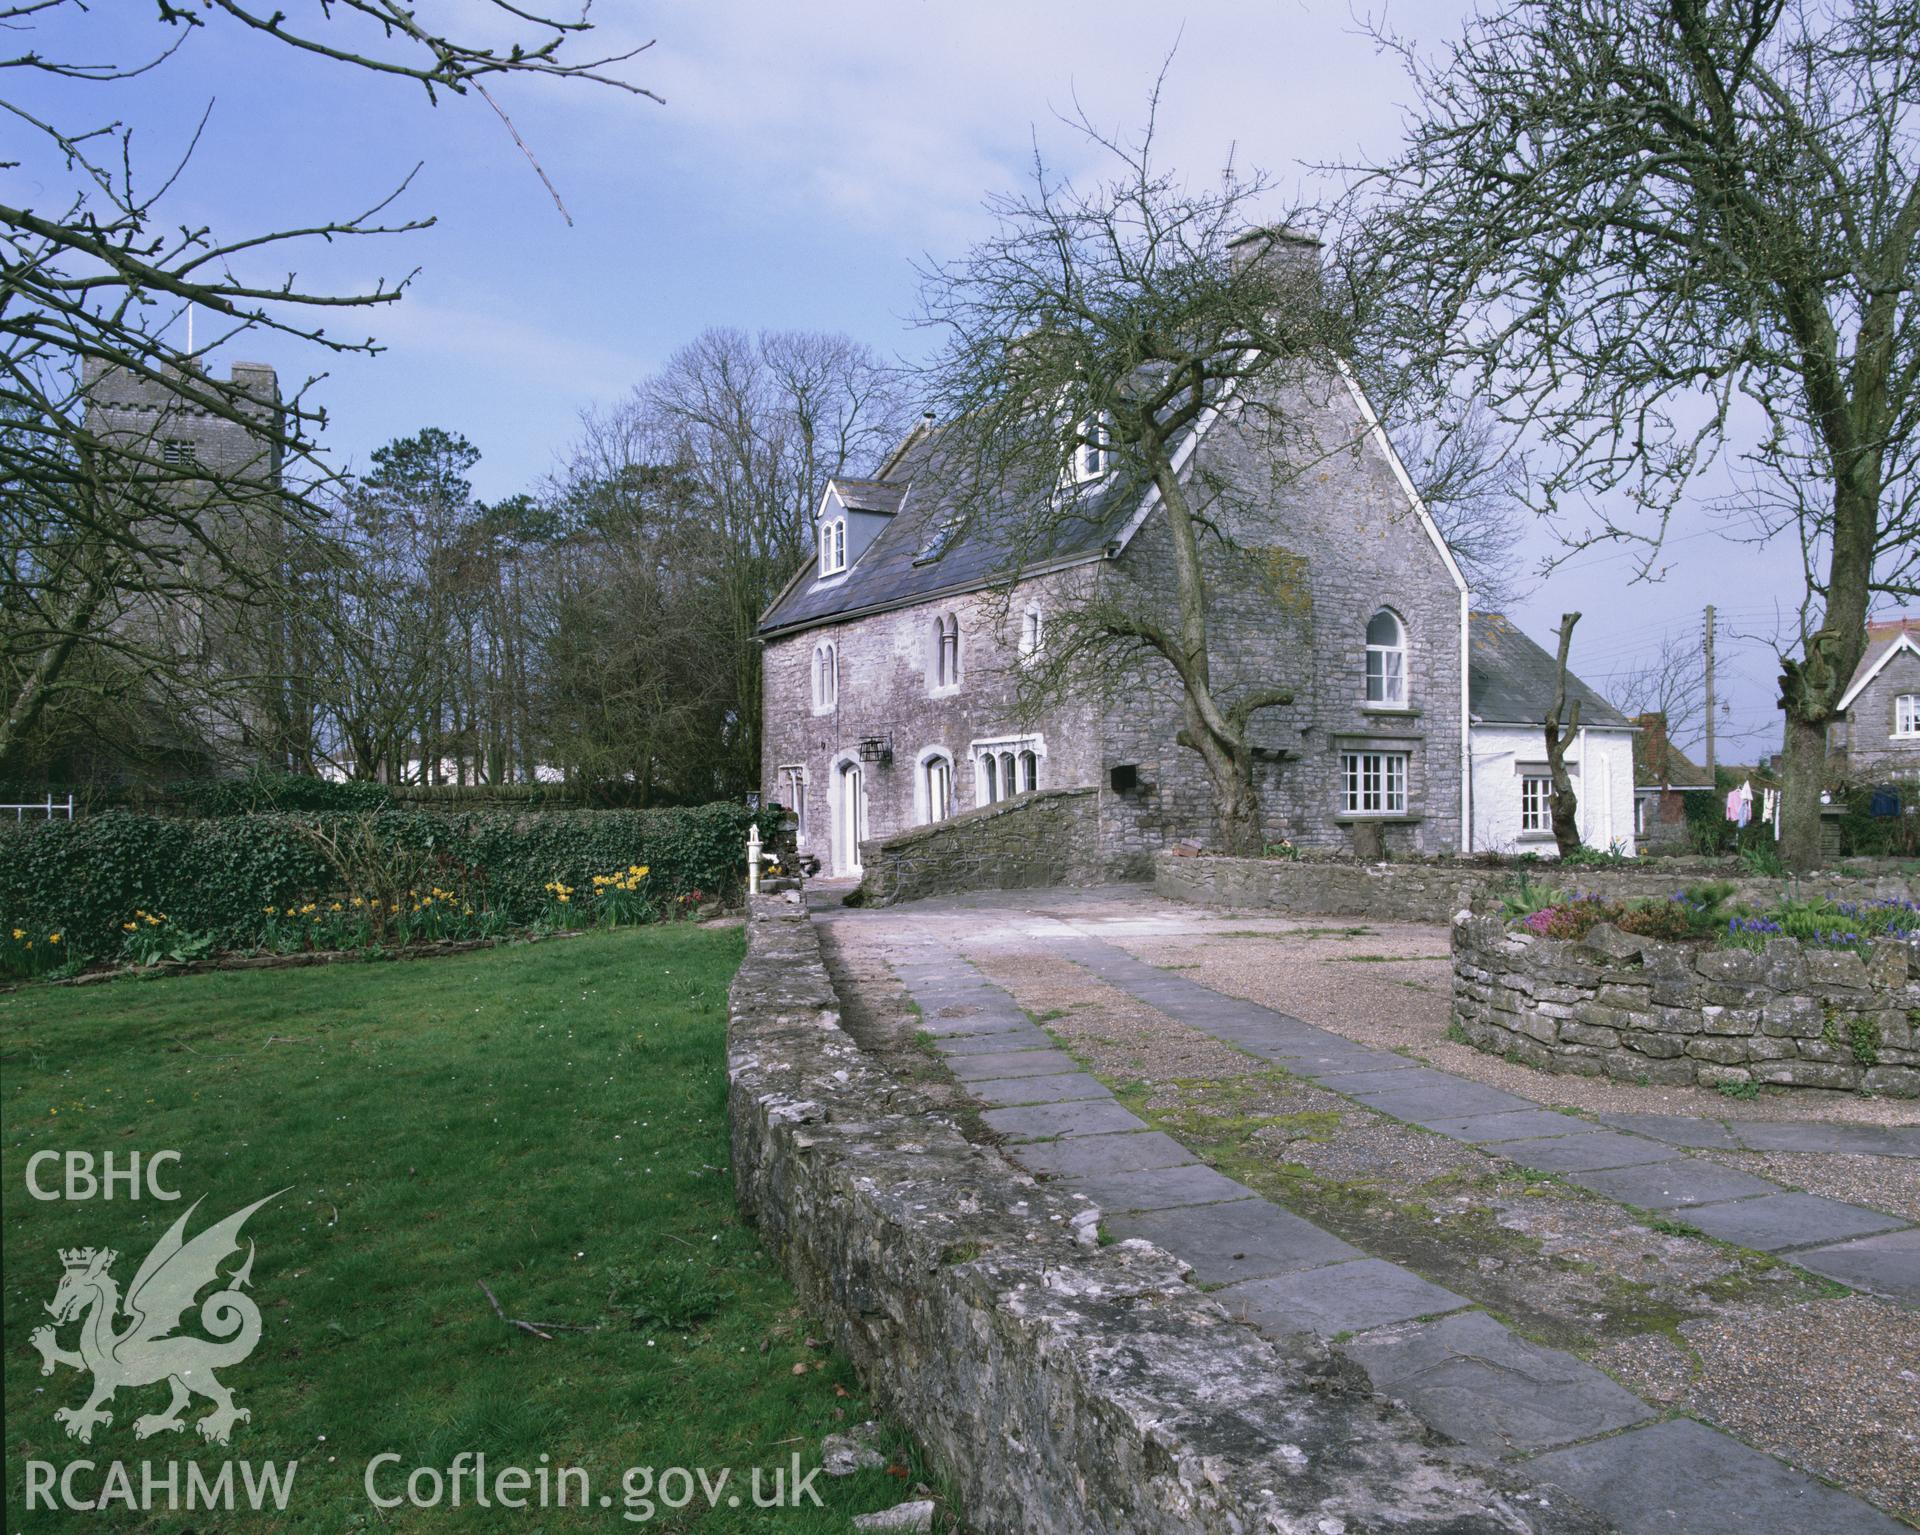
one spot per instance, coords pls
(1740, 804)
(1770, 810)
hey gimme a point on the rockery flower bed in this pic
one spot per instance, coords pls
(1799, 994)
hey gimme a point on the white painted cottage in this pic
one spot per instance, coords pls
(1510, 684)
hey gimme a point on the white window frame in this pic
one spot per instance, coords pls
(933, 788)
(1093, 460)
(1906, 716)
(826, 677)
(793, 783)
(1536, 804)
(945, 672)
(1374, 783)
(1033, 632)
(1392, 680)
(833, 545)
(1000, 770)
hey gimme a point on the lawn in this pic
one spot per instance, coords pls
(549, 1119)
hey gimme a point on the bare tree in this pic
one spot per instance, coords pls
(1646, 230)
(1562, 729)
(688, 507)
(1114, 322)
(1473, 479)
(1671, 683)
(95, 277)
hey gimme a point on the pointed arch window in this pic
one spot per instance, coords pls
(936, 787)
(1386, 659)
(826, 677)
(946, 651)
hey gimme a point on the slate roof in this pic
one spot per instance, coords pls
(1881, 637)
(900, 565)
(1510, 679)
(871, 495)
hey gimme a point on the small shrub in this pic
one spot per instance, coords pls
(1745, 1091)
(1282, 849)
(1863, 1035)
(1763, 861)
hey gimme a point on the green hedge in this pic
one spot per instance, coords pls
(215, 876)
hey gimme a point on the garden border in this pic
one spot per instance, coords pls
(1062, 1385)
(1643, 1009)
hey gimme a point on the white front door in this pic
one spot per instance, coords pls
(850, 819)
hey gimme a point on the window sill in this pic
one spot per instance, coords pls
(1399, 710)
(1347, 817)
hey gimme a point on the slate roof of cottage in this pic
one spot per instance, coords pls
(1510, 679)
(1881, 638)
(871, 495)
(901, 565)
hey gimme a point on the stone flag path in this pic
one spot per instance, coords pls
(1544, 1412)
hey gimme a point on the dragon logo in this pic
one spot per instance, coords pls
(147, 1349)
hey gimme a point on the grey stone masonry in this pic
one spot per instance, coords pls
(1875, 749)
(1050, 837)
(1312, 555)
(1433, 889)
(1640, 1010)
(1063, 1386)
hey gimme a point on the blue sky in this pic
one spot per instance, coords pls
(806, 157)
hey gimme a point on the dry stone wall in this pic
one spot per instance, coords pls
(1641, 1010)
(1432, 890)
(1051, 837)
(1063, 1386)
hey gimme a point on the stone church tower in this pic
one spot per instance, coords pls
(222, 481)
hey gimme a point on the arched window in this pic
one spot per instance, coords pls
(1033, 632)
(833, 545)
(1386, 659)
(1005, 766)
(946, 651)
(826, 676)
(936, 786)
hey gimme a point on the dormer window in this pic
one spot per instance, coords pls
(1093, 456)
(833, 545)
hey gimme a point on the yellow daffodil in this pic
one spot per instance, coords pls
(53, 937)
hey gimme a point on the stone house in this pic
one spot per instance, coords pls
(892, 661)
(1511, 686)
(1878, 738)
(1663, 776)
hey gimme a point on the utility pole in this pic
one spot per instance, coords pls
(1710, 699)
